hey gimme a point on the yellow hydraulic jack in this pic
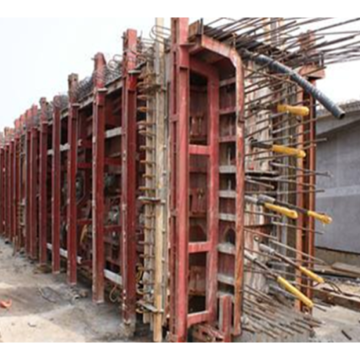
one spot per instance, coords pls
(281, 281)
(325, 219)
(284, 258)
(295, 110)
(280, 149)
(271, 206)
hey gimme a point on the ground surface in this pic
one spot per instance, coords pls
(337, 319)
(45, 309)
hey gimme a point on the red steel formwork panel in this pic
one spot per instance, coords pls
(4, 185)
(7, 186)
(34, 185)
(71, 212)
(43, 183)
(98, 179)
(21, 185)
(194, 157)
(179, 115)
(56, 185)
(64, 168)
(128, 200)
(83, 242)
(27, 180)
(16, 189)
(98, 166)
(306, 199)
(2, 188)
(10, 187)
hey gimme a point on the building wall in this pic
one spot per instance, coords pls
(340, 155)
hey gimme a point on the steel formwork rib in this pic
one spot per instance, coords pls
(56, 186)
(71, 212)
(43, 188)
(2, 187)
(128, 200)
(98, 179)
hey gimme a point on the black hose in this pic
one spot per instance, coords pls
(274, 65)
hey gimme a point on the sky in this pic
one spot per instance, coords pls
(37, 55)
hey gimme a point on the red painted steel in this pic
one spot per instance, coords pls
(16, 181)
(310, 179)
(212, 152)
(128, 200)
(2, 188)
(21, 184)
(5, 187)
(179, 162)
(27, 181)
(56, 186)
(233, 56)
(98, 178)
(33, 219)
(71, 213)
(182, 151)
(204, 292)
(43, 160)
(225, 317)
(11, 189)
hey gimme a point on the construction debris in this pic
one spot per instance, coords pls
(5, 304)
(346, 335)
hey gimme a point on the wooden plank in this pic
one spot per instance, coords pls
(352, 303)
(347, 268)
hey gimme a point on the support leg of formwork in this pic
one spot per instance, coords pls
(225, 316)
(43, 164)
(128, 241)
(98, 180)
(56, 187)
(179, 138)
(71, 185)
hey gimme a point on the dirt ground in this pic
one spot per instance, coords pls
(338, 320)
(45, 309)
